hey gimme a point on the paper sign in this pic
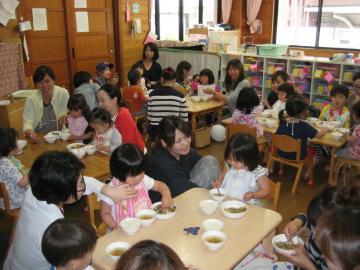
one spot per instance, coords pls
(201, 90)
(80, 4)
(82, 21)
(328, 77)
(39, 19)
(254, 67)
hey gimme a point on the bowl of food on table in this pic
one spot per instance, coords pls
(195, 98)
(214, 240)
(312, 120)
(266, 113)
(218, 194)
(50, 138)
(115, 249)
(166, 213)
(146, 216)
(64, 135)
(90, 149)
(336, 135)
(208, 206)
(233, 209)
(343, 130)
(283, 245)
(213, 224)
(130, 225)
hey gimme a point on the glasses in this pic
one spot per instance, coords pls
(82, 185)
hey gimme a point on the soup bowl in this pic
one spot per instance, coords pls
(115, 249)
(146, 217)
(214, 240)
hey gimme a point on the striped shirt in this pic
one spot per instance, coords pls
(166, 101)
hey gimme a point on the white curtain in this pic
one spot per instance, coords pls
(226, 10)
(252, 10)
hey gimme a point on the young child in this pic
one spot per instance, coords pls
(352, 149)
(84, 85)
(246, 179)
(12, 173)
(246, 112)
(68, 244)
(134, 94)
(77, 120)
(127, 166)
(104, 75)
(107, 137)
(278, 77)
(295, 127)
(337, 111)
(139, 67)
(206, 77)
(284, 91)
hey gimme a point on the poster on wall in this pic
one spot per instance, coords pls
(39, 19)
(80, 4)
(82, 21)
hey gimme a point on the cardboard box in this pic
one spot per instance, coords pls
(202, 137)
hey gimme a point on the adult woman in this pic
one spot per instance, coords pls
(165, 101)
(234, 82)
(46, 109)
(152, 69)
(56, 179)
(109, 98)
(182, 73)
(176, 163)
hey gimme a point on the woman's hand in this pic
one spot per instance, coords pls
(209, 91)
(119, 193)
(292, 228)
(300, 259)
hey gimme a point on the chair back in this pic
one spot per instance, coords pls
(287, 144)
(237, 128)
(93, 204)
(14, 213)
(274, 194)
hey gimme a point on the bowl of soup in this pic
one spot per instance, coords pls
(50, 138)
(214, 240)
(336, 135)
(233, 209)
(218, 194)
(130, 225)
(64, 136)
(146, 216)
(283, 245)
(115, 249)
(208, 206)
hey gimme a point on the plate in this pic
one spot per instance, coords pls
(167, 215)
(72, 146)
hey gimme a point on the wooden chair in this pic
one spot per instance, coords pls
(273, 196)
(340, 162)
(287, 144)
(237, 128)
(29, 82)
(93, 204)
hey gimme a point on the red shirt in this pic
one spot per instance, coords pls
(135, 95)
(125, 124)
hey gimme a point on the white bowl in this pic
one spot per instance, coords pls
(271, 123)
(225, 206)
(80, 153)
(90, 149)
(119, 247)
(209, 236)
(21, 144)
(195, 98)
(205, 98)
(275, 114)
(312, 120)
(130, 225)
(213, 224)
(208, 206)
(266, 113)
(336, 135)
(343, 130)
(167, 214)
(65, 136)
(146, 216)
(49, 138)
(283, 238)
(55, 133)
(215, 194)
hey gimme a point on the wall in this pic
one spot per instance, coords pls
(10, 32)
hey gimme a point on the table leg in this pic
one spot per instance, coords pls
(332, 165)
(220, 116)
(193, 122)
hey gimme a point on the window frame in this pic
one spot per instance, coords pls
(318, 27)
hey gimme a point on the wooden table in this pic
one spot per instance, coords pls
(95, 165)
(243, 234)
(202, 108)
(327, 140)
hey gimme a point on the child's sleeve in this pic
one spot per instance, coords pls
(115, 140)
(323, 113)
(309, 131)
(92, 186)
(149, 182)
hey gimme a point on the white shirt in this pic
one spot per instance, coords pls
(35, 217)
(278, 106)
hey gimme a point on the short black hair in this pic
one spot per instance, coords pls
(356, 110)
(41, 72)
(67, 239)
(100, 115)
(133, 76)
(339, 90)
(127, 160)
(138, 65)
(81, 77)
(168, 74)
(54, 176)
(153, 48)
(247, 100)
(167, 130)
(113, 92)
(280, 73)
(243, 148)
(287, 88)
(295, 105)
(7, 141)
(180, 70)
(208, 73)
(78, 102)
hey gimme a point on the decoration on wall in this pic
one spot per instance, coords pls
(39, 19)
(127, 12)
(135, 7)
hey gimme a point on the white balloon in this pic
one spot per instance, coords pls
(218, 133)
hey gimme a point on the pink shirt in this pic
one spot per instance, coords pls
(354, 149)
(77, 126)
(249, 120)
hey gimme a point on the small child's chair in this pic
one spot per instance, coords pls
(273, 196)
(93, 204)
(340, 162)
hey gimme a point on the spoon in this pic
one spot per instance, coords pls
(218, 191)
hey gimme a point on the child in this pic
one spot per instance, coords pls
(312, 110)
(104, 75)
(284, 91)
(77, 120)
(127, 166)
(134, 94)
(246, 179)
(68, 244)
(352, 149)
(139, 67)
(279, 77)
(107, 137)
(245, 112)
(337, 111)
(12, 173)
(84, 85)
(295, 127)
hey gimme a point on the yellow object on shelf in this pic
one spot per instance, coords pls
(271, 70)
(320, 90)
(348, 76)
(319, 73)
(268, 83)
(295, 72)
(246, 67)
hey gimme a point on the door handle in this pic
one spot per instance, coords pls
(73, 52)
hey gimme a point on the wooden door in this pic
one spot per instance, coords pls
(89, 48)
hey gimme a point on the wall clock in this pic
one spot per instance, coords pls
(135, 7)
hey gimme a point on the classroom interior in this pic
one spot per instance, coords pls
(114, 31)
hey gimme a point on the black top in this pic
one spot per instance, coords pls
(153, 74)
(272, 98)
(163, 166)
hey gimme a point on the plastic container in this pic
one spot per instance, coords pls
(272, 49)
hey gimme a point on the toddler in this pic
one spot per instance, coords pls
(278, 77)
(134, 94)
(127, 166)
(139, 67)
(84, 85)
(284, 91)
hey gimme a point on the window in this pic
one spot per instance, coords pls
(165, 16)
(319, 23)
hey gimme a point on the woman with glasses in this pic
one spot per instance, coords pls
(56, 179)
(46, 109)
